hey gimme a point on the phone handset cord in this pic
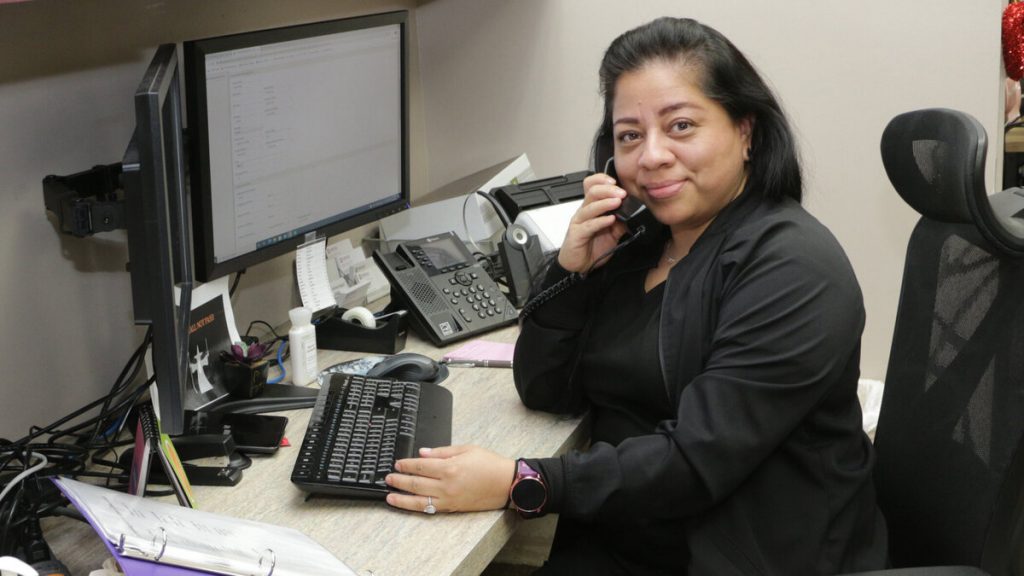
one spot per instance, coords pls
(565, 283)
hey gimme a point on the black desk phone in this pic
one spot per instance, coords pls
(448, 294)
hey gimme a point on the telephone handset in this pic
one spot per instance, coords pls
(632, 212)
(449, 296)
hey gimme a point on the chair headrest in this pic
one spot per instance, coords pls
(935, 158)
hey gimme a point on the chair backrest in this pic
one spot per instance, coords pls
(950, 473)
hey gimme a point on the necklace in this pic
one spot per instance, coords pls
(671, 261)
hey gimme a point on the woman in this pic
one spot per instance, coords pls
(718, 353)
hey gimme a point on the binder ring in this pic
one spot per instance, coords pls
(122, 548)
(163, 544)
(273, 562)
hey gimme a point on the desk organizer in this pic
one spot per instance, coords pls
(388, 337)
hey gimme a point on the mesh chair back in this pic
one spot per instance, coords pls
(949, 469)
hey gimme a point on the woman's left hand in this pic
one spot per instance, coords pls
(456, 478)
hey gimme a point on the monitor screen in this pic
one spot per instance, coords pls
(159, 252)
(295, 133)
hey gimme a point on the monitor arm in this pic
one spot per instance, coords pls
(86, 202)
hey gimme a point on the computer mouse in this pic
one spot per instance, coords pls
(407, 366)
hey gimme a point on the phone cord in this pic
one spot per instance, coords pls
(565, 283)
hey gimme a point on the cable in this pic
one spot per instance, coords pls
(491, 263)
(565, 283)
(68, 446)
(497, 209)
(465, 224)
(114, 432)
(36, 431)
(234, 285)
(269, 327)
(8, 524)
(502, 215)
(25, 474)
(639, 232)
(280, 363)
(122, 405)
(135, 363)
(105, 412)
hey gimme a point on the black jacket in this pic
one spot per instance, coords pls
(766, 462)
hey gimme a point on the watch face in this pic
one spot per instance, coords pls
(529, 494)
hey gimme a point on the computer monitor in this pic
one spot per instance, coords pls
(159, 250)
(295, 133)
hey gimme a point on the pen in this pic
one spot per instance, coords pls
(480, 363)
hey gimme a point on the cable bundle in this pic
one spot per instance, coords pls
(70, 446)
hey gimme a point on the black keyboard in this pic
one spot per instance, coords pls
(360, 426)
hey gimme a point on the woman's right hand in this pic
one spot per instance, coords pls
(592, 230)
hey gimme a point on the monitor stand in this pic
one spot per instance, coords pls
(212, 447)
(273, 398)
(202, 446)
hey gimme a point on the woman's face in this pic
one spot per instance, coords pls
(675, 149)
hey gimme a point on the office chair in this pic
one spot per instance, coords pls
(950, 473)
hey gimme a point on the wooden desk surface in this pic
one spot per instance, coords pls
(370, 536)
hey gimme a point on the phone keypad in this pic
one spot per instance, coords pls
(475, 302)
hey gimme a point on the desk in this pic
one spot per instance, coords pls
(370, 535)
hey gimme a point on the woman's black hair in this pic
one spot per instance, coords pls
(726, 77)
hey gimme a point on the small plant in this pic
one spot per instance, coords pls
(248, 354)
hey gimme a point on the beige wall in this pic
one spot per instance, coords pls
(524, 77)
(491, 79)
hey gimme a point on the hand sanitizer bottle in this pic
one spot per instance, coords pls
(302, 343)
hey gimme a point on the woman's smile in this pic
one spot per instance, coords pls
(662, 189)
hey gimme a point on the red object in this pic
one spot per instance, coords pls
(1013, 40)
(284, 442)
